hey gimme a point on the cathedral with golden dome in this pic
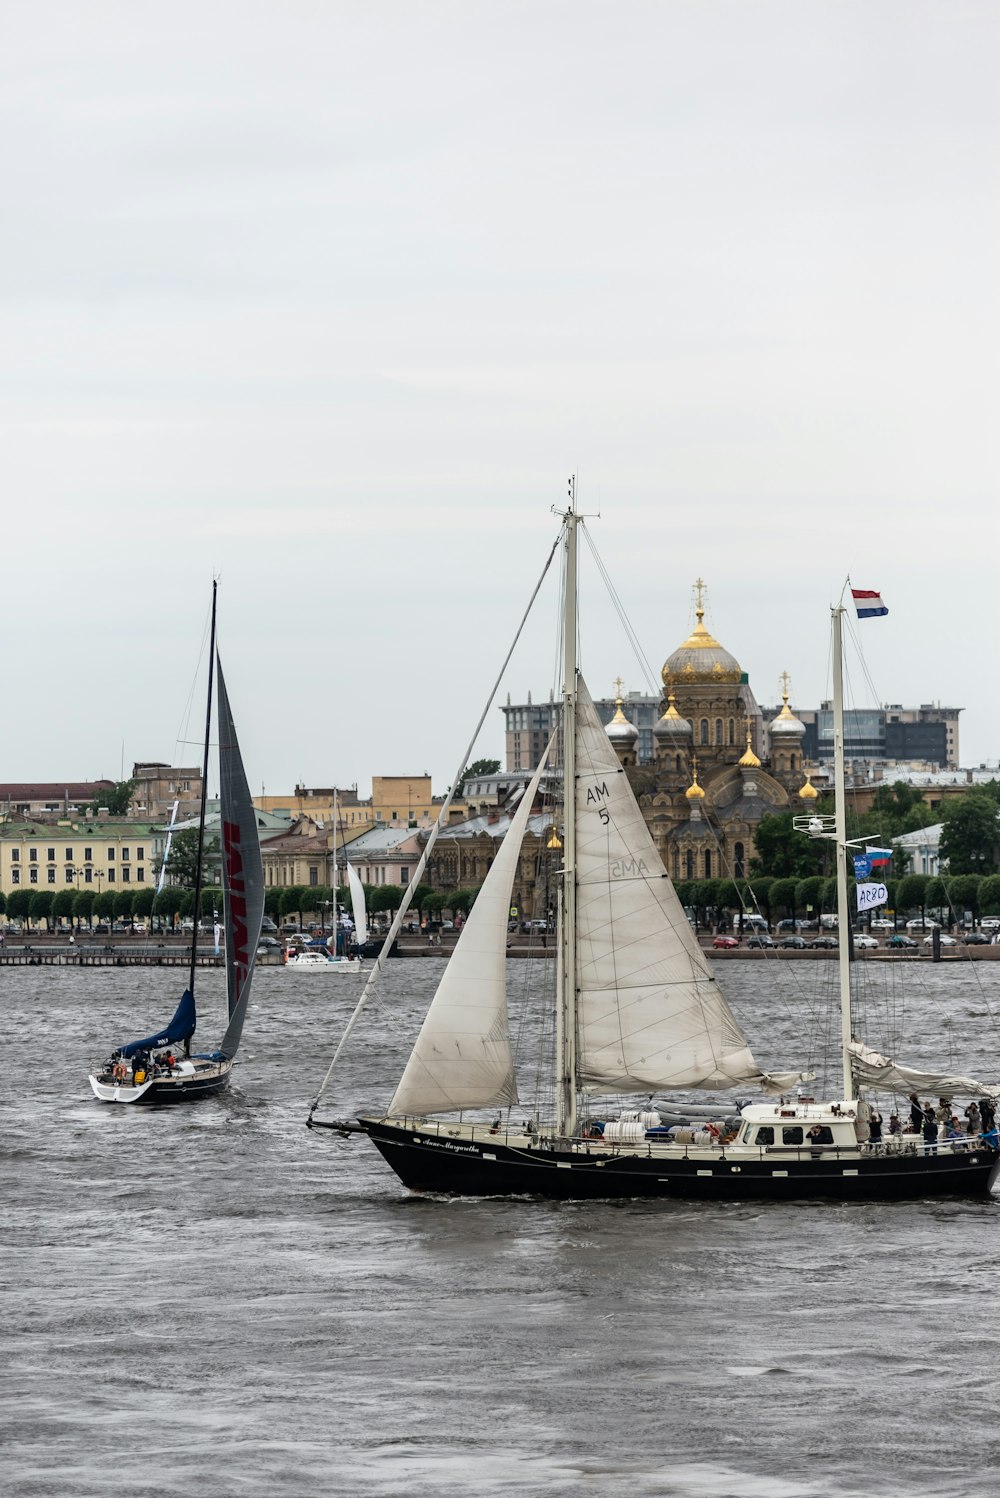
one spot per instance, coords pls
(711, 781)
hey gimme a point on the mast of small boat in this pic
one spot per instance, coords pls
(566, 996)
(840, 844)
(335, 930)
(200, 865)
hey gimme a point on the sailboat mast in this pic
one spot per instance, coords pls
(840, 843)
(566, 1000)
(200, 865)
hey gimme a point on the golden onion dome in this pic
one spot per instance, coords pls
(748, 759)
(620, 730)
(671, 725)
(701, 658)
(694, 791)
(808, 792)
(786, 724)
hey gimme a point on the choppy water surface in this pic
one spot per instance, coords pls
(210, 1299)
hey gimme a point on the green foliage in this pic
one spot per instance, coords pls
(104, 904)
(211, 901)
(385, 897)
(3, 902)
(462, 901)
(989, 894)
(809, 894)
(272, 902)
(62, 905)
(478, 767)
(143, 901)
(40, 906)
(83, 906)
(293, 901)
(783, 893)
(123, 903)
(963, 892)
(936, 894)
(784, 853)
(911, 893)
(420, 894)
(435, 902)
(761, 894)
(970, 836)
(18, 902)
(182, 864)
(116, 799)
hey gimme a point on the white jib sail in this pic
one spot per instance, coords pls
(650, 1014)
(358, 906)
(462, 1057)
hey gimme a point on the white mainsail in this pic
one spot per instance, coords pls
(462, 1057)
(358, 906)
(649, 1013)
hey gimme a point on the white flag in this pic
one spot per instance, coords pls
(870, 895)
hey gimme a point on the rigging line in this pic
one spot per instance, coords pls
(435, 831)
(633, 639)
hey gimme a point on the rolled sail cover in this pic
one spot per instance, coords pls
(242, 873)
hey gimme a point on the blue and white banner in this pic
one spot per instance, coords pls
(862, 866)
(871, 895)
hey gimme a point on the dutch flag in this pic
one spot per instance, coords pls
(868, 604)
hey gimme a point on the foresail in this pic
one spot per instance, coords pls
(650, 1014)
(358, 906)
(462, 1057)
(869, 1069)
(243, 874)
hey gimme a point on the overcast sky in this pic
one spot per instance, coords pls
(329, 300)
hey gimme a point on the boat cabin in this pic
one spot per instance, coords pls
(802, 1124)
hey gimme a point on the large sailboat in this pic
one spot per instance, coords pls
(638, 1013)
(148, 1070)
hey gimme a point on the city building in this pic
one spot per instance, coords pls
(891, 734)
(79, 855)
(39, 800)
(158, 787)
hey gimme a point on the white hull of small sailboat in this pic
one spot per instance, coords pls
(315, 962)
(189, 1079)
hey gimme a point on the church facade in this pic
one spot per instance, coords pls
(708, 789)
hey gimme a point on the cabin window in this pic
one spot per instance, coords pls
(718, 731)
(704, 730)
(791, 1134)
(765, 1135)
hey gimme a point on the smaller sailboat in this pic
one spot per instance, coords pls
(334, 957)
(150, 1070)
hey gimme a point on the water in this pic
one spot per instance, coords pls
(211, 1299)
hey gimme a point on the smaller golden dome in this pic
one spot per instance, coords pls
(694, 791)
(749, 760)
(808, 792)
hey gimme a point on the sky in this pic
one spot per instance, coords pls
(328, 301)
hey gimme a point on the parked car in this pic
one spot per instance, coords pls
(795, 942)
(829, 942)
(975, 939)
(899, 941)
(268, 944)
(922, 923)
(268, 925)
(989, 923)
(943, 938)
(883, 923)
(725, 942)
(759, 939)
(864, 943)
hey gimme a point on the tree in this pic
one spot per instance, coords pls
(83, 907)
(784, 853)
(970, 836)
(385, 897)
(62, 905)
(182, 864)
(477, 768)
(963, 892)
(809, 895)
(40, 906)
(760, 895)
(419, 896)
(783, 895)
(989, 895)
(18, 902)
(911, 892)
(115, 801)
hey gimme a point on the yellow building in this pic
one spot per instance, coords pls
(79, 855)
(396, 801)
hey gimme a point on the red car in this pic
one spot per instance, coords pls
(725, 941)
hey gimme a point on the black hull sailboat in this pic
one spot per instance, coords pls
(148, 1071)
(638, 1012)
